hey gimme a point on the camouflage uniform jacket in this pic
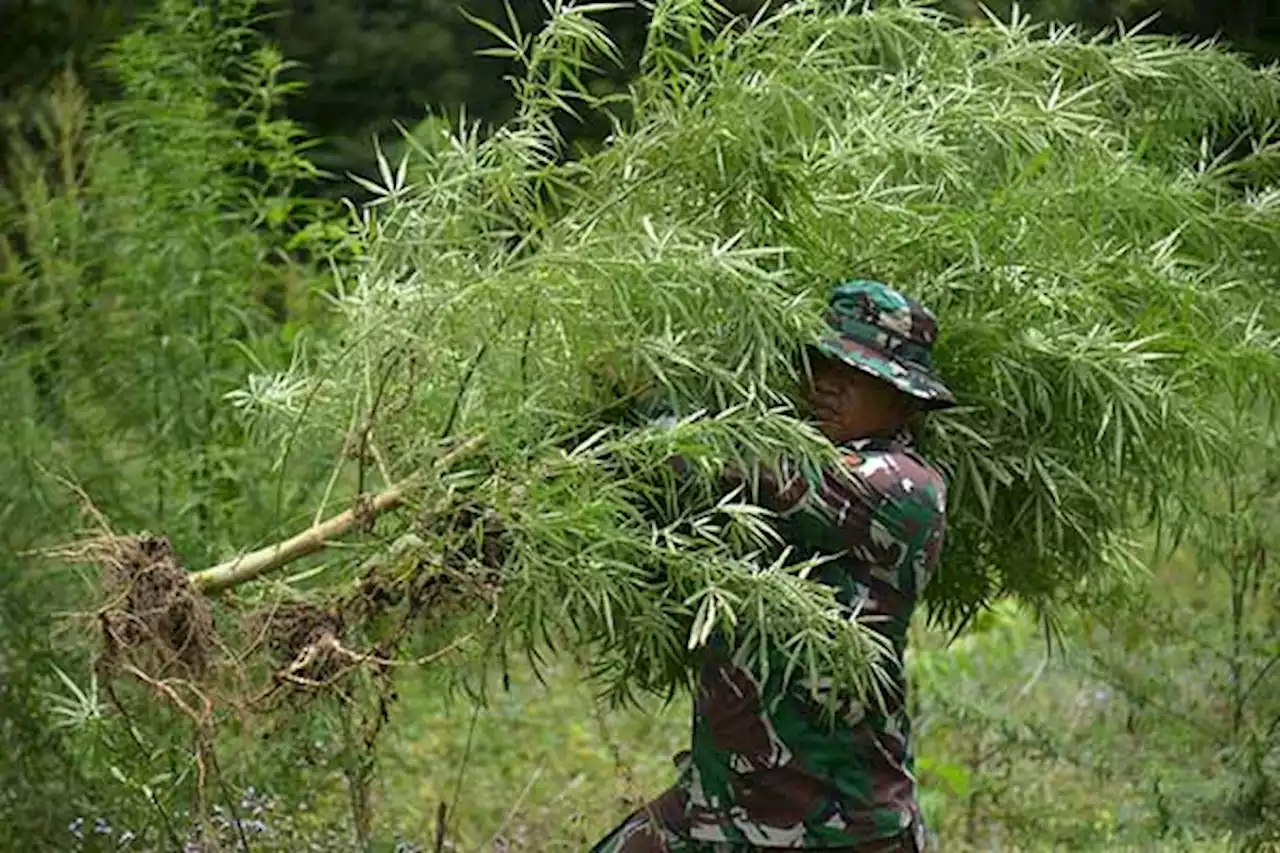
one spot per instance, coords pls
(764, 769)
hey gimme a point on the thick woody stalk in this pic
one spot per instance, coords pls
(249, 566)
(273, 557)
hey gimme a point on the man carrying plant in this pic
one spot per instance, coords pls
(769, 768)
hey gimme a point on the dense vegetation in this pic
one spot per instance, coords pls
(366, 64)
(196, 348)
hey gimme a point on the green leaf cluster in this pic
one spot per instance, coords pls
(1093, 219)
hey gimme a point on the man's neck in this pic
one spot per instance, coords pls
(898, 435)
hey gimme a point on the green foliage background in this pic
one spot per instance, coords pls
(163, 275)
(366, 64)
(144, 250)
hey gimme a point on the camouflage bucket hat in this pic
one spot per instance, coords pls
(876, 329)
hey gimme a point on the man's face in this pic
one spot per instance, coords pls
(849, 404)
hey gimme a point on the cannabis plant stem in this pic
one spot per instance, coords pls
(265, 560)
(131, 728)
(356, 772)
(1238, 581)
(257, 563)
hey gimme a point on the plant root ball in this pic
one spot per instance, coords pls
(307, 640)
(152, 613)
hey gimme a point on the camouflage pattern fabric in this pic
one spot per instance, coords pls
(658, 827)
(882, 332)
(766, 768)
(770, 768)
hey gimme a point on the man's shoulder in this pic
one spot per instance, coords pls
(896, 471)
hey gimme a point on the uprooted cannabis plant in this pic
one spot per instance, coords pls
(1093, 219)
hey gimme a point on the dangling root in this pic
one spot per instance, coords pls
(151, 618)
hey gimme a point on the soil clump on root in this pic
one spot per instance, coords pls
(307, 642)
(152, 615)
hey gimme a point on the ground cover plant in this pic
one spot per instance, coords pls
(1094, 219)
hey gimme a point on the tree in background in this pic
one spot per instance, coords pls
(368, 65)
